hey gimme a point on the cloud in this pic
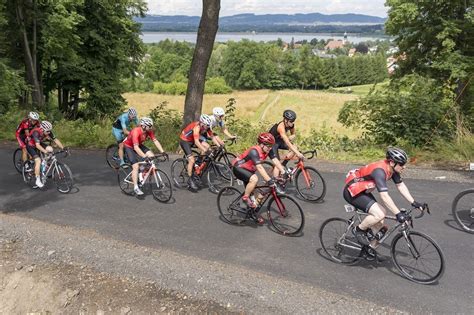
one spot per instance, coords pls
(232, 7)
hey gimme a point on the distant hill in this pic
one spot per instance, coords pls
(311, 22)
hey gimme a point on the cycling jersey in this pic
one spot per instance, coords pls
(371, 176)
(24, 125)
(137, 136)
(276, 134)
(216, 123)
(250, 158)
(123, 122)
(38, 136)
(188, 134)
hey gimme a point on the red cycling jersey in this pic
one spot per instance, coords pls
(360, 180)
(248, 160)
(137, 136)
(188, 134)
(24, 125)
(38, 135)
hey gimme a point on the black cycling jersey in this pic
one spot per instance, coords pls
(276, 134)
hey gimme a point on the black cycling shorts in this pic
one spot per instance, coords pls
(279, 145)
(362, 201)
(32, 151)
(187, 147)
(242, 174)
(133, 156)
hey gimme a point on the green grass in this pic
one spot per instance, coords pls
(362, 90)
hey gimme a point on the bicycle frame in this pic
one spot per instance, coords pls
(51, 165)
(151, 170)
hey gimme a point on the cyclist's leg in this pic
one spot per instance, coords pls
(133, 159)
(205, 145)
(22, 145)
(119, 136)
(365, 202)
(250, 181)
(186, 146)
(275, 157)
(288, 156)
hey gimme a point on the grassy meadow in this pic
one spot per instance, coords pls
(315, 109)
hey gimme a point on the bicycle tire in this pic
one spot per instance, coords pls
(17, 160)
(62, 177)
(219, 175)
(408, 272)
(463, 210)
(316, 191)
(179, 173)
(289, 222)
(111, 156)
(227, 158)
(29, 176)
(160, 186)
(331, 235)
(122, 174)
(228, 204)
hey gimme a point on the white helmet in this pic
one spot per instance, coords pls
(205, 120)
(46, 125)
(33, 115)
(146, 122)
(218, 112)
(132, 112)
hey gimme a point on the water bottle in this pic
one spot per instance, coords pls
(381, 233)
(43, 166)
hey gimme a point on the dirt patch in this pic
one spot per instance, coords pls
(61, 288)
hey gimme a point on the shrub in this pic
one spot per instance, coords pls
(167, 124)
(217, 85)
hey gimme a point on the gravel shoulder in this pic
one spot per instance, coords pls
(50, 268)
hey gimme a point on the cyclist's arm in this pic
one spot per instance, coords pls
(139, 151)
(255, 157)
(262, 172)
(197, 142)
(58, 143)
(403, 189)
(281, 131)
(124, 125)
(217, 140)
(381, 184)
(158, 145)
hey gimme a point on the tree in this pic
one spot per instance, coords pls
(202, 53)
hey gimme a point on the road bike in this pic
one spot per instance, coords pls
(50, 168)
(218, 174)
(283, 211)
(18, 161)
(416, 255)
(463, 210)
(150, 178)
(309, 183)
(112, 156)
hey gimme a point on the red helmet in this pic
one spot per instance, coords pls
(266, 138)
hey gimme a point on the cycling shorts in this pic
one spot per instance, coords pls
(279, 145)
(33, 151)
(362, 201)
(242, 174)
(133, 156)
(21, 141)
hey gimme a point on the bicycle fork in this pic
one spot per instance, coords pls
(410, 245)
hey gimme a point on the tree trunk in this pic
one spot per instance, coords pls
(202, 53)
(30, 67)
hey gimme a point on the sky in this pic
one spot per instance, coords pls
(232, 7)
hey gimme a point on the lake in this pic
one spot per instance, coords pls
(155, 37)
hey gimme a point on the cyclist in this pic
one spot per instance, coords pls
(36, 145)
(245, 166)
(217, 120)
(361, 182)
(195, 135)
(23, 132)
(283, 142)
(136, 150)
(121, 128)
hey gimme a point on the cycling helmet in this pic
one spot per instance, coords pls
(33, 115)
(146, 122)
(46, 125)
(289, 114)
(218, 112)
(132, 113)
(205, 120)
(397, 155)
(266, 138)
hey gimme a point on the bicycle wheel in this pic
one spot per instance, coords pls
(160, 185)
(417, 257)
(124, 176)
(463, 210)
(62, 177)
(228, 203)
(219, 176)
(17, 160)
(286, 215)
(338, 242)
(227, 158)
(28, 173)
(310, 184)
(179, 173)
(112, 157)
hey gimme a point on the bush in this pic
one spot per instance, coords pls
(173, 88)
(412, 109)
(217, 85)
(167, 126)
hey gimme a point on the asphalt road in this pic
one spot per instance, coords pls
(190, 225)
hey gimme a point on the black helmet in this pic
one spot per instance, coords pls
(397, 155)
(289, 114)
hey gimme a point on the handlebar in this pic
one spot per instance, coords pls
(311, 154)
(231, 141)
